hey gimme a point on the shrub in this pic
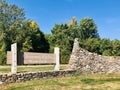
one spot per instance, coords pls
(2, 58)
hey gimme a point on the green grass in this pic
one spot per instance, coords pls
(102, 81)
(74, 82)
(27, 69)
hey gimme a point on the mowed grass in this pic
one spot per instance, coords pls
(32, 68)
(74, 82)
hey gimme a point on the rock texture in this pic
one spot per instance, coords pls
(86, 62)
(21, 77)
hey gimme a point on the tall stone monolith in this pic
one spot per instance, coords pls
(73, 58)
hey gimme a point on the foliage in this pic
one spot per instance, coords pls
(63, 36)
(14, 28)
(10, 19)
(87, 29)
(92, 45)
(115, 47)
(31, 38)
(73, 22)
(105, 47)
(2, 58)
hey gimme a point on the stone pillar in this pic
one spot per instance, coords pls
(14, 58)
(57, 58)
(76, 47)
(73, 62)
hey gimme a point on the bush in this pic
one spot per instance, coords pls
(3, 58)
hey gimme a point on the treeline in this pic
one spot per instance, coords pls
(14, 27)
(63, 36)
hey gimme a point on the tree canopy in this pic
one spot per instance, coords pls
(88, 29)
(63, 35)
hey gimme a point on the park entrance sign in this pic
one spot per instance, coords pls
(21, 58)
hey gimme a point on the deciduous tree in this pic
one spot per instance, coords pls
(87, 29)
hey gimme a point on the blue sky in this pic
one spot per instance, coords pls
(47, 13)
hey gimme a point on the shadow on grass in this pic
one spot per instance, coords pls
(98, 81)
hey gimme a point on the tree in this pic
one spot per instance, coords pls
(11, 18)
(73, 22)
(14, 28)
(31, 38)
(105, 47)
(92, 45)
(115, 47)
(62, 38)
(87, 29)
(49, 38)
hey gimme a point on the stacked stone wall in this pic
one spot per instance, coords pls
(21, 77)
(86, 62)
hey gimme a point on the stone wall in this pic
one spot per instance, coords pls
(21, 77)
(86, 62)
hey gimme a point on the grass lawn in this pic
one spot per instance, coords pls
(36, 68)
(74, 82)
